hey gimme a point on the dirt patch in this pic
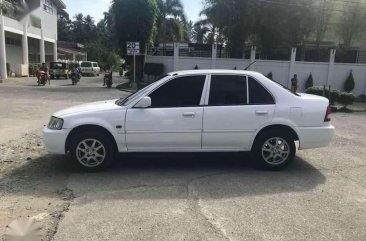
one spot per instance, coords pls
(33, 184)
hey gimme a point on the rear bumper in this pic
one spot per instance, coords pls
(55, 140)
(315, 137)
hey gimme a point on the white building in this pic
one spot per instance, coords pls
(32, 39)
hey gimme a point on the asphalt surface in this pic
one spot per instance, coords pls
(321, 196)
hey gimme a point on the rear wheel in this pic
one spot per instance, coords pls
(92, 151)
(274, 150)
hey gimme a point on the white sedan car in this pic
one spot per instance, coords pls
(195, 111)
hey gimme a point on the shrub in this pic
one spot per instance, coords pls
(349, 85)
(270, 76)
(154, 69)
(309, 82)
(346, 99)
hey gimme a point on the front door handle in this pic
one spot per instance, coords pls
(261, 112)
(189, 114)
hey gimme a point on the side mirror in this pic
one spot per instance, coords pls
(144, 102)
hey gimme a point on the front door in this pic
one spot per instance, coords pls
(174, 120)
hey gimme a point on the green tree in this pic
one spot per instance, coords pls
(170, 20)
(133, 20)
(64, 25)
(84, 29)
(349, 85)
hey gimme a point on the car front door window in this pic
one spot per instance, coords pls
(183, 91)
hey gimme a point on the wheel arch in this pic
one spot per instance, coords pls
(88, 127)
(287, 129)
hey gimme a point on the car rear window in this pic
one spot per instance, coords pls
(95, 65)
(258, 95)
(86, 64)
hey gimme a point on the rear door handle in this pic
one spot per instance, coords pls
(261, 112)
(189, 114)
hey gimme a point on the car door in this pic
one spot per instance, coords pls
(235, 110)
(174, 119)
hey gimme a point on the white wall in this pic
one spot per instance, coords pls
(279, 69)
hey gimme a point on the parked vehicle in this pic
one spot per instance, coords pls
(42, 78)
(108, 78)
(59, 69)
(195, 111)
(89, 68)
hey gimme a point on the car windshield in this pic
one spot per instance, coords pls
(86, 64)
(139, 93)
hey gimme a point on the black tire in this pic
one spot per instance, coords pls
(281, 160)
(102, 138)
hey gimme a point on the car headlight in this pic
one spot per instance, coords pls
(55, 123)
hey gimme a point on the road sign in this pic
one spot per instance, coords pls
(133, 48)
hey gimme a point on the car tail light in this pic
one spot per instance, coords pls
(327, 114)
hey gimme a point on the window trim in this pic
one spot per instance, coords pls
(206, 104)
(259, 82)
(201, 104)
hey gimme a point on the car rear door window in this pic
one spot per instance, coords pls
(185, 91)
(258, 95)
(228, 90)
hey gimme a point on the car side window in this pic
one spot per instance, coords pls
(258, 95)
(183, 91)
(228, 90)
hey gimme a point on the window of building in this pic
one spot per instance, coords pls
(12, 41)
(228, 90)
(48, 6)
(183, 91)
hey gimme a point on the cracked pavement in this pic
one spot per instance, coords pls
(184, 196)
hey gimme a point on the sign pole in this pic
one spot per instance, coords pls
(134, 68)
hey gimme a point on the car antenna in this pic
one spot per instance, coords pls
(250, 65)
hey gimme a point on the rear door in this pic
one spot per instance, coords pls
(236, 107)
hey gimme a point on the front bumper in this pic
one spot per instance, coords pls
(55, 140)
(315, 137)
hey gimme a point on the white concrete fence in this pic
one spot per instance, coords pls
(324, 73)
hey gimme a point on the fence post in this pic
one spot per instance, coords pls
(292, 66)
(252, 54)
(214, 55)
(176, 56)
(331, 67)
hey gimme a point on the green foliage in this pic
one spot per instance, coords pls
(32, 69)
(270, 76)
(154, 69)
(99, 53)
(133, 20)
(309, 82)
(346, 99)
(333, 96)
(349, 85)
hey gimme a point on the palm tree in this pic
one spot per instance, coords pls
(170, 20)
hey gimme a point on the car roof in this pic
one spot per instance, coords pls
(214, 71)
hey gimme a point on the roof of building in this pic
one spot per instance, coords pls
(60, 4)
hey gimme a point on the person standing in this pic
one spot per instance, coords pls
(294, 83)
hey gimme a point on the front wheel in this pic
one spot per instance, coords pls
(274, 150)
(92, 151)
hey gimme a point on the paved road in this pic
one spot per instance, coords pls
(322, 196)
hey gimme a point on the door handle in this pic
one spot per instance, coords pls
(261, 112)
(189, 114)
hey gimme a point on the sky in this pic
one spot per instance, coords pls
(96, 8)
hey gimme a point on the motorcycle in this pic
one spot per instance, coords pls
(75, 77)
(108, 78)
(42, 78)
